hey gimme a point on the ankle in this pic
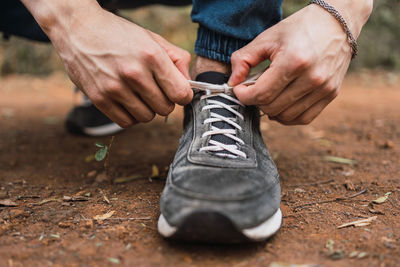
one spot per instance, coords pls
(202, 64)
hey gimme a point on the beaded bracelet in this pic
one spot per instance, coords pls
(336, 14)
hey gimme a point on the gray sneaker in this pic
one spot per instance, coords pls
(223, 185)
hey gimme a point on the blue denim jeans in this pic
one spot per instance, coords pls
(224, 25)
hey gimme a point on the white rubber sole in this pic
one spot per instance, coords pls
(258, 233)
(102, 130)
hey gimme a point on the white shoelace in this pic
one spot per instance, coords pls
(225, 91)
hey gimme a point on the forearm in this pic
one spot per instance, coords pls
(355, 12)
(54, 15)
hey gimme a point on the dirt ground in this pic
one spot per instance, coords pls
(58, 189)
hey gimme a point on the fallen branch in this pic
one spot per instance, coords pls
(331, 200)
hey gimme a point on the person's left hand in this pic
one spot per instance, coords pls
(309, 54)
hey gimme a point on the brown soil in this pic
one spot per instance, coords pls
(40, 161)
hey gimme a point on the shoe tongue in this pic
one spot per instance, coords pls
(219, 78)
(212, 77)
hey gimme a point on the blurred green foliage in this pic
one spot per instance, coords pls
(379, 43)
(380, 39)
(22, 56)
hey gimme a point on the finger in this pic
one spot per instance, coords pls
(250, 56)
(135, 106)
(151, 94)
(298, 96)
(181, 59)
(303, 104)
(114, 111)
(310, 114)
(269, 85)
(120, 93)
(173, 83)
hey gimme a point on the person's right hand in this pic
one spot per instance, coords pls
(129, 73)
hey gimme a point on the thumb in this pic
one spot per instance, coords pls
(249, 56)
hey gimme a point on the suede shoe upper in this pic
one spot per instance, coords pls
(245, 189)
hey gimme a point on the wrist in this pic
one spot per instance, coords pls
(355, 13)
(54, 16)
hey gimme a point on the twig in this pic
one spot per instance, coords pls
(106, 163)
(331, 200)
(363, 222)
(314, 183)
(24, 197)
(299, 213)
(114, 219)
(45, 201)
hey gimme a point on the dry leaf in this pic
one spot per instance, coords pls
(340, 160)
(374, 211)
(348, 173)
(312, 133)
(104, 216)
(154, 171)
(7, 203)
(349, 185)
(287, 264)
(114, 260)
(105, 198)
(44, 201)
(353, 254)
(299, 190)
(325, 142)
(92, 174)
(275, 156)
(126, 179)
(89, 158)
(358, 223)
(362, 254)
(382, 199)
(358, 254)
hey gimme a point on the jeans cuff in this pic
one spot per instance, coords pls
(213, 45)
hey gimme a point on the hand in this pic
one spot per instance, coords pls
(129, 73)
(309, 55)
